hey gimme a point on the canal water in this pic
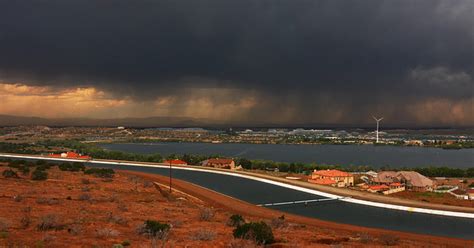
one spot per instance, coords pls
(337, 211)
(344, 155)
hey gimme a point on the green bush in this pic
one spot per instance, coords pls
(24, 170)
(39, 175)
(100, 172)
(10, 174)
(258, 231)
(154, 229)
(76, 166)
(236, 220)
(43, 167)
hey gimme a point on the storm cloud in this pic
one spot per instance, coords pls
(298, 61)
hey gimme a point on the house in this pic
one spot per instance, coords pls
(323, 181)
(175, 162)
(71, 155)
(415, 181)
(221, 163)
(378, 188)
(371, 173)
(332, 177)
(411, 179)
(386, 177)
(386, 189)
(470, 193)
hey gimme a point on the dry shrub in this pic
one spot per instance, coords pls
(365, 238)
(85, 181)
(206, 214)
(176, 223)
(49, 222)
(85, 197)
(18, 198)
(48, 238)
(203, 235)
(86, 189)
(116, 219)
(279, 222)
(332, 241)
(388, 239)
(106, 233)
(4, 225)
(48, 201)
(25, 221)
(122, 207)
(113, 198)
(242, 243)
(74, 229)
(147, 184)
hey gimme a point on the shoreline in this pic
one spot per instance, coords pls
(357, 197)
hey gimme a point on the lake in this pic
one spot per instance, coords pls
(376, 156)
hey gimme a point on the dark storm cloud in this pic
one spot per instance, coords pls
(363, 53)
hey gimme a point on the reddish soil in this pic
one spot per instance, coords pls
(95, 212)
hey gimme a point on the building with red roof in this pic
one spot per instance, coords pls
(71, 155)
(222, 163)
(324, 177)
(378, 188)
(323, 181)
(175, 162)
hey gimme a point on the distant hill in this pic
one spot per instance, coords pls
(11, 120)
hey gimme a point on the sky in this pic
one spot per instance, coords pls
(240, 61)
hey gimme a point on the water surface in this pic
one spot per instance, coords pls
(376, 156)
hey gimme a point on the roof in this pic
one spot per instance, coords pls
(379, 187)
(322, 181)
(69, 155)
(72, 154)
(415, 179)
(175, 161)
(219, 161)
(386, 177)
(331, 173)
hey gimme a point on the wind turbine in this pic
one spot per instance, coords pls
(377, 132)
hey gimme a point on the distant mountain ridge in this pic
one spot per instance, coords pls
(12, 120)
(161, 121)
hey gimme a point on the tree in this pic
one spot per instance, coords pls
(245, 163)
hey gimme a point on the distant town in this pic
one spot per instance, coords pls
(442, 138)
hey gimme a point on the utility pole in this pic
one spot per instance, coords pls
(170, 175)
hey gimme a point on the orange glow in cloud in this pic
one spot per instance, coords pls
(46, 102)
(231, 105)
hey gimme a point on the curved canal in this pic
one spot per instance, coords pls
(257, 192)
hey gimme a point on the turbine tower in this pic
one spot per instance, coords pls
(377, 132)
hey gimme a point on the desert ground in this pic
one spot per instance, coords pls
(71, 209)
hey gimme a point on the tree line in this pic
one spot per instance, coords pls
(195, 159)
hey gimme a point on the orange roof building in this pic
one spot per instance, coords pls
(325, 177)
(378, 188)
(175, 162)
(323, 181)
(71, 155)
